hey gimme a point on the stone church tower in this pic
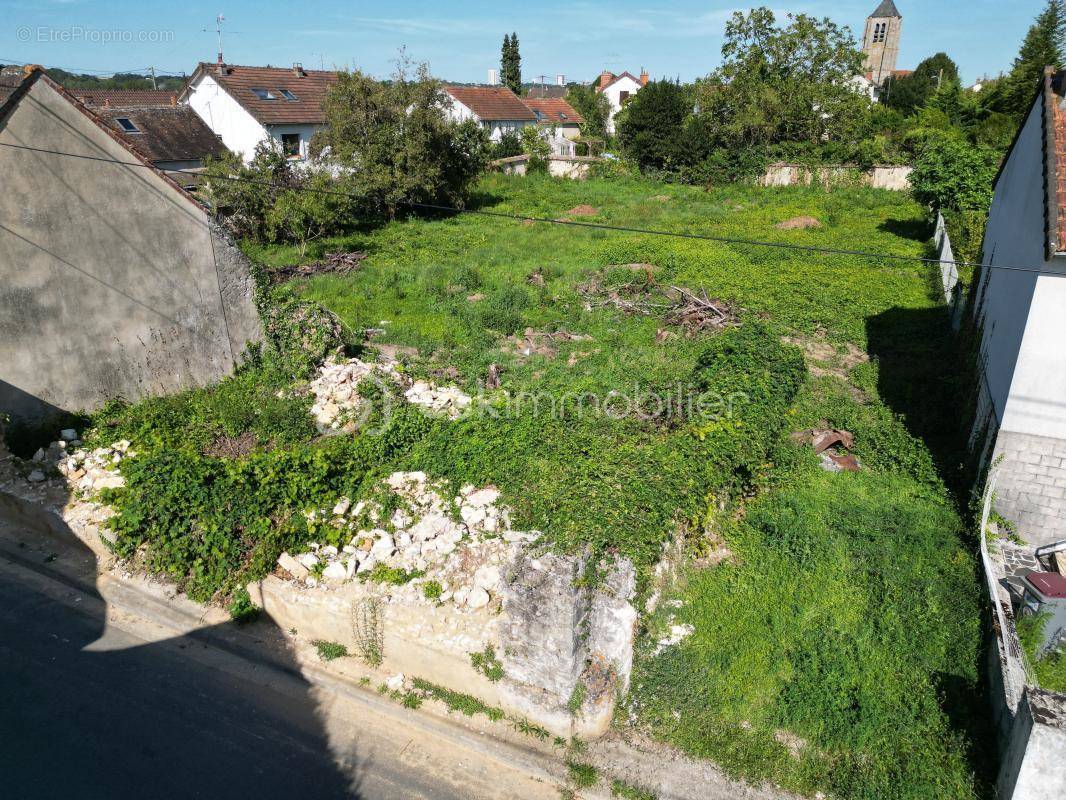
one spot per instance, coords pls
(881, 42)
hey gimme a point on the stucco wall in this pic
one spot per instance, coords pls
(109, 284)
(613, 93)
(240, 131)
(893, 177)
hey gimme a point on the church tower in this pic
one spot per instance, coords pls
(881, 42)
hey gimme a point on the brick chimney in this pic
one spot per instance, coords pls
(643, 77)
(298, 70)
(605, 79)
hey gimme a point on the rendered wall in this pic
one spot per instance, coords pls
(109, 282)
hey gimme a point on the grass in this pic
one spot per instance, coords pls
(837, 649)
(1049, 668)
(329, 651)
(582, 776)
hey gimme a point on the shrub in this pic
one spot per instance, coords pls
(536, 146)
(952, 174)
(510, 144)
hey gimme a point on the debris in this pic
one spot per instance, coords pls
(292, 566)
(225, 446)
(831, 445)
(798, 223)
(68, 434)
(446, 400)
(36, 476)
(338, 262)
(542, 343)
(536, 278)
(697, 313)
(492, 380)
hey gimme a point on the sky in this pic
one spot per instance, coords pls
(461, 39)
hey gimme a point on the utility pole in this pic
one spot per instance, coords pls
(153, 78)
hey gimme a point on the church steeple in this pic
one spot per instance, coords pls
(880, 43)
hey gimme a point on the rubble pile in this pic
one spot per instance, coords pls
(461, 545)
(87, 471)
(339, 406)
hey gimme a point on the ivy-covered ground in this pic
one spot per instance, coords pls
(835, 616)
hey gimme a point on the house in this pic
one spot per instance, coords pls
(170, 136)
(557, 113)
(618, 89)
(496, 108)
(114, 282)
(249, 105)
(1019, 321)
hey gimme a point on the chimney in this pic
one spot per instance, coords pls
(643, 77)
(298, 70)
(605, 79)
(560, 80)
(220, 66)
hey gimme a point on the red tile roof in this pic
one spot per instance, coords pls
(164, 133)
(553, 111)
(1055, 162)
(491, 103)
(125, 97)
(309, 87)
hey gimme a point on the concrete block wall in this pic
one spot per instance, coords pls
(1031, 490)
(1034, 766)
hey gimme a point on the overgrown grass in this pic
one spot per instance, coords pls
(1050, 667)
(847, 619)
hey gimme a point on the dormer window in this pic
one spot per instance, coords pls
(539, 115)
(264, 94)
(287, 94)
(127, 125)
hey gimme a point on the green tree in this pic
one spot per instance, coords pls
(395, 142)
(952, 175)
(511, 64)
(651, 130)
(593, 107)
(911, 92)
(1042, 47)
(536, 146)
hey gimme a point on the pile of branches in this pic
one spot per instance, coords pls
(693, 311)
(340, 263)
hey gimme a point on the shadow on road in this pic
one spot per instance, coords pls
(86, 713)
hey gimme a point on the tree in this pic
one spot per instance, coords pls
(536, 146)
(1042, 47)
(511, 64)
(952, 175)
(395, 143)
(593, 107)
(911, 92)
(651, 130)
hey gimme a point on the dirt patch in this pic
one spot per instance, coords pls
(799, 223)
(232, 446)
(661, 198)
(338, 263)
(477, 297)
(540, 343)
(394, 352)
(826, 359)
(583, 211)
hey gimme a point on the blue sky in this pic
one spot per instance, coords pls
(461, 41)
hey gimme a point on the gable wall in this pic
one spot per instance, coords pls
(108, 278)
(240, 131)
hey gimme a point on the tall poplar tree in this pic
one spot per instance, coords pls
(511, 64)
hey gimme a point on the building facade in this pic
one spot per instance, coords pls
(618, 89)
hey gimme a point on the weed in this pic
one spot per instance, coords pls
(487, 664)
(432, 590)
(396, 576)
(328, 651)
(457, 701)
(577, 697)
(241, 608)
(583, 776)
(629, 792)
(368, 630)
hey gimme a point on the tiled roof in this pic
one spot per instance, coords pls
(885, 10)
(125, 97)
(616, 78)
(557, 111)
(309, 87)
(491, 103)
(164, 133)
(542, 91)
(1055, 160)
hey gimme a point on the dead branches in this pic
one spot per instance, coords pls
(338, 263)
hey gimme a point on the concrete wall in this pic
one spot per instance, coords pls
(895, 178)
(109, 281)
(1031, 490)
(573, 167)
(1034, 765)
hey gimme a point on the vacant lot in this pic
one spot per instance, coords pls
(643, 386)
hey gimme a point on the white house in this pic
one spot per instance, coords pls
(1020, 315)
(618, 89)
(247, 105)
(496, 108)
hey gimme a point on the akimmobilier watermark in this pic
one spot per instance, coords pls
(79, 33)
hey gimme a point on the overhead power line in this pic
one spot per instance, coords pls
(546, 220)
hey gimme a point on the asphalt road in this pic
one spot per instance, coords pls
(132, 718)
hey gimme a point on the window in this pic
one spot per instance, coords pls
(287, 94)
(539, 115)
(264, 94)
(562, 115)
(127, 126)
(290, 144)
(623, 97)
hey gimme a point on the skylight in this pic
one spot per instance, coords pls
(562, 115)
(287, 94)
(127, 125)
(538, 114)
(264, 94)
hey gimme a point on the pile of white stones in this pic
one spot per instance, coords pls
(462, 545)
(91, 471)
(85, 470)
(338, 404)
(336, 389)
(448, 400)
